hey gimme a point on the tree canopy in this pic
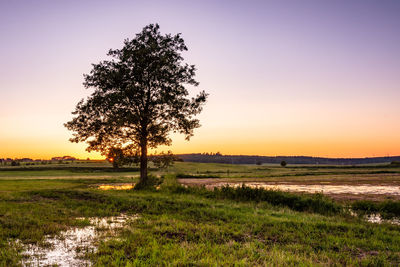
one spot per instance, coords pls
(140, 96)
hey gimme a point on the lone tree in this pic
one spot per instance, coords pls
(140, 96)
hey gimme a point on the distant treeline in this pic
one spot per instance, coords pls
(243, 159)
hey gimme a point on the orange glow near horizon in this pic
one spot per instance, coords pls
(236, 145)
(319, 79)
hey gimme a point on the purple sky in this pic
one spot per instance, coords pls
(285, 77)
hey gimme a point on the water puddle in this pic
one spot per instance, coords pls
(126, 186)
(70, 247)
(377, 218)
(324, 188)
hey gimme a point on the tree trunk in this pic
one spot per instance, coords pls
(143, 161)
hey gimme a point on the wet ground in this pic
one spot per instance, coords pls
(119, 186)
(337, 190)
(377, 218)
(69, 248)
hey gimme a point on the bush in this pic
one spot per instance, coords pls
(316, 203)
(151, 182)
(163, 160)
(312, 203)
(283, 163)
(387, 208)
(366, 206)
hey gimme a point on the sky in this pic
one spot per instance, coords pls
(315, 78)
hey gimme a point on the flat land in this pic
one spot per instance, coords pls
(196, 226)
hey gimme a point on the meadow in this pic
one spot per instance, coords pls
(197, 226)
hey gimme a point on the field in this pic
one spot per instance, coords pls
(198, 226)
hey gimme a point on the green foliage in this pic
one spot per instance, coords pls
(116, 156)
(316, 203)
(150, 183)
(190, 228)
(387, 208)
(163, 160)
(15, 163)
(140, 96)
(9, 254)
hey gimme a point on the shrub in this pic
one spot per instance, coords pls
(151, 182)
(387, 208)
(313, 203)
(283, 163)
(316, 203)
(163, 160)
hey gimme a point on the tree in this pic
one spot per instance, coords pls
(163, 160)
(283, 163)
(116, 157)
(140, 96)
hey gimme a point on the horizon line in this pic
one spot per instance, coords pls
(212, 154)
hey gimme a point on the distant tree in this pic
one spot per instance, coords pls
(15, 163)
(117, 157)
(178, 159)
(283, 163)
(258, 162)
(163, 160)
(140, 96)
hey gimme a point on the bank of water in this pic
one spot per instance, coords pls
(319, 188)
(70, 247)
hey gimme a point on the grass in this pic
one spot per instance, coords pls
(387, 209)
(196, 227)
(183, 175)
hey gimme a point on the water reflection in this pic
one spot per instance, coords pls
(116, 186)
(377, 218)
(70, 247)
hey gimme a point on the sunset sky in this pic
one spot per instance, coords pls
(316, 78)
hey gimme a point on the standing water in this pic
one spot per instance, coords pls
(316, 188)
(70, 247)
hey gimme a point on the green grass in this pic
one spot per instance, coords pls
(210, 170)
(197, 227)
(179, 226)
(387, 209)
